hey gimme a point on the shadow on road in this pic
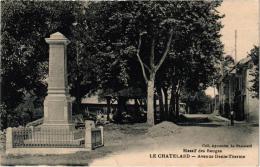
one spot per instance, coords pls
(199, 124)
(202, 121)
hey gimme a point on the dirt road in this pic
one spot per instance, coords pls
(136, 144)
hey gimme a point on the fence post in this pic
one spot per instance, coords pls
(32, 132)
(88, 134)
(9, 138)
(102, 135)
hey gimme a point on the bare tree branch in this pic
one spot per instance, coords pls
(165, 52)
(146, 66)
(152, 54)
(140, 60)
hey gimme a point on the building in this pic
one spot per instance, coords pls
(234, 92)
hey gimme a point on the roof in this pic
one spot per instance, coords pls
(244, 60)
(129, 93)
(239, 64)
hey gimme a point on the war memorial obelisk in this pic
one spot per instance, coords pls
(57, 104)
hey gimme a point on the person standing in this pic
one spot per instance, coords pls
(232, 117)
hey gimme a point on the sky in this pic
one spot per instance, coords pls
(243, 16)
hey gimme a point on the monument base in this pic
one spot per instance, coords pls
(69, 126)
(57, 110)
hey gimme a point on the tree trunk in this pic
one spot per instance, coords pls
(78, 98)
(31, 115)
(4, 121)
(150, 101)
(155, 109)
(172, 104)
(160, 98)
(121, 108)
(166, 105)
(78, 102)
(108, 108)
(135, 112)
(177, 105)
(173, 113)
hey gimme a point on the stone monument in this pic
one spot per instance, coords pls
(57, 134)
(57, 104)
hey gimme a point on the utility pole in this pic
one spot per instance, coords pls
(235, 46)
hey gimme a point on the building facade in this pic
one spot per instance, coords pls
(235, 94)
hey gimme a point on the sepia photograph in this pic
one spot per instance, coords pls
(129, 83)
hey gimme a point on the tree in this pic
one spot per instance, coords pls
(192, 62)
(149, 42)
(152, 70)
(228, 63)
(82, 72)
(173, 44)
(160, 35)
(24, 52)
(112, 58)
(254, 53)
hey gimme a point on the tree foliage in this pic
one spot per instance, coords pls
(228, 64)
(126, 30)
(254, 53)
(24, 25)
(114, 45)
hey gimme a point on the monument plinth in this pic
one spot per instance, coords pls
(57, 104)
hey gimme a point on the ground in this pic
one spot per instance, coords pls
(134, 144)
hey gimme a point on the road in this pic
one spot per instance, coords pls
(137, 144)
(214, 132)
